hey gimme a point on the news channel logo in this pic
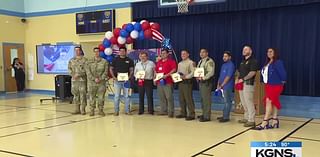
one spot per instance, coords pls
(276, 149)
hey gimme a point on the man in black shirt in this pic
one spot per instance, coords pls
(121, 70)
(247, 70)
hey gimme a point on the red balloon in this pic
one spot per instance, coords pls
(124, 26)
(101, 47)
(116, 32)
(114, 41)
(145, 25)
(155, 26)
(129, 40)
(148, 33)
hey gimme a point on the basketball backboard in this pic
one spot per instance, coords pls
(173, 3)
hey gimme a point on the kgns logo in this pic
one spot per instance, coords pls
(275, 153)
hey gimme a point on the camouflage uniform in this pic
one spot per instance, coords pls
(97, 68)
(77, 67)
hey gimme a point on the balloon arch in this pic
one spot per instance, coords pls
(128, 34)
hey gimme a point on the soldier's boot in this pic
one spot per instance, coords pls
(101, 113)
(77, 109)
(83, 110)
(91, 112)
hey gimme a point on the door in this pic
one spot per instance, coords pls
(11, 51)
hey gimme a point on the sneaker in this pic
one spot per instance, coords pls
(189, 118)
(204, 120)
(219, 118)
(128, 113)
(224, 120)
(250, 124)
(201, 116)
(242, 121)
(116, 114)
(180, 116)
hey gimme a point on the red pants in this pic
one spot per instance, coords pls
(272, 92)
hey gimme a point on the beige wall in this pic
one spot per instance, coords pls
(12, 30)
(60, 28)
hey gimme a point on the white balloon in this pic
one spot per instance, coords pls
(109, 35)
(142, 21)
(108, 51)
(121, 40)
(134, 34)
(133, 22)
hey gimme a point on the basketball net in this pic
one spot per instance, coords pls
(183, 5)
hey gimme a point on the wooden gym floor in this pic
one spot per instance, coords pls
(28, 128)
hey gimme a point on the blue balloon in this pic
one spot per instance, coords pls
(124, 33)
(109, 58)
(137, 26)
(166, 44)
(106, 43)
(129, 27)
(141, 35)
(102, 54)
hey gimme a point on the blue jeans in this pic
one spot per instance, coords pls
(227, 103)
(117, 91)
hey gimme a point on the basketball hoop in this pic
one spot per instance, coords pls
(183, 5)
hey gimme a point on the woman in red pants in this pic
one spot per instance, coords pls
(274, 76)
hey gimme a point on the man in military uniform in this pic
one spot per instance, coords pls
(77, 70)
(185, 69)
(97, 72)
(205, 84)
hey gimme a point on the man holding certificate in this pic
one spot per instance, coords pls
(204, 75)
(144, 72)
(121, 70)
(185, 69)
(164, 68)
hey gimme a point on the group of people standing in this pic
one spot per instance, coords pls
(273, 74)
(93, 74)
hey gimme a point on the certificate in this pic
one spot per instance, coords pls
(176, 77)
(158, 76)
(123, 77)
(140, 74)
(198, 72)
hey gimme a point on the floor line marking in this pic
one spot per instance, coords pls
(295, 130)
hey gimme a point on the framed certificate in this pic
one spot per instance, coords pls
(158, 76)
(123, 77)
(140, 74)
(198, 72)
(176, 77)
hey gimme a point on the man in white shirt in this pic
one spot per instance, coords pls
(144, 73)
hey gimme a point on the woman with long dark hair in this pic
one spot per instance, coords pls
(19, 74)
(274, 76)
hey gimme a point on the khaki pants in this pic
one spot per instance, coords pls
(165, 93)
(205, 93)
(186, 100)
(246, 97)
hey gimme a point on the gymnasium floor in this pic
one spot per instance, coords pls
(28, 128)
